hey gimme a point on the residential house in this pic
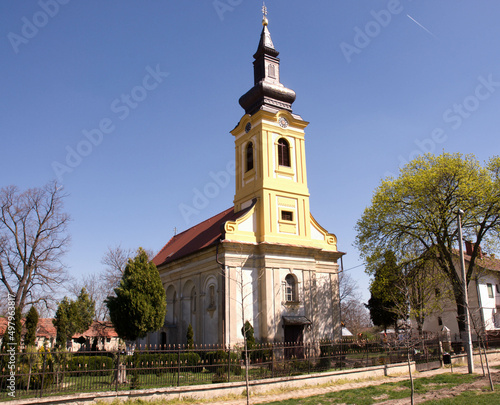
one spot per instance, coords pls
(101, 336)
(45, 335)
(484, 299)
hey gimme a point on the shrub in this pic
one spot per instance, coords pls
(164, 362)
(32, 370)
(90, 365)
(218, 361)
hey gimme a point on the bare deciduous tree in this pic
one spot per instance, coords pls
(348, 288)
(97, 293)
(355, 316)
(33, 238)
(115, 260)
(353, 312)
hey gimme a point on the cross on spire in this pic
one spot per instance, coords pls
(264, 9)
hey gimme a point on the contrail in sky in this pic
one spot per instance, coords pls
(420, 25)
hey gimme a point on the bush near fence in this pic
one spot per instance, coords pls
(98, 365)
(161, 362)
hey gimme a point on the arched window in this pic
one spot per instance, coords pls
(211, 297)
(290, 288)
(193, 300)
(283, 152)
(171, 315)
(249, 156)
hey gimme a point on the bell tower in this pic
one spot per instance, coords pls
(270, 155)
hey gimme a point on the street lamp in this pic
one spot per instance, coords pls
(468, 338)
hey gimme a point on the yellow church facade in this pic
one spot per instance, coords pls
(265, 260)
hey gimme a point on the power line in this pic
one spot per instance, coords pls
(355, 267)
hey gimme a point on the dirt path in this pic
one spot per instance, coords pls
(438, 394)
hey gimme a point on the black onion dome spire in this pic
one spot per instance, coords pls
(267, 93)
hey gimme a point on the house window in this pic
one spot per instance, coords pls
(290, 288)
(249, 157)
(283, 152)
(498, 288)
(490, 290)
(287, 215)
(440, 321)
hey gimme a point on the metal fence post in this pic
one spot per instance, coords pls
(272, 361)
(308, 356)
(341, 352)
(178, 364)
(228, 364)
(43, 372)
(117, 375)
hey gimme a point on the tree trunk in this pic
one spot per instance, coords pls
(411, 376)
(459, 299)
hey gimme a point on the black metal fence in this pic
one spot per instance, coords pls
(44, 372)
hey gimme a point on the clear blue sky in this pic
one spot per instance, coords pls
(375, 79)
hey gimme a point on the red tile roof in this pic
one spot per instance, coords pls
(3, 325)
(45, 327)
(486, 262)
(200, 236)
(98, 329)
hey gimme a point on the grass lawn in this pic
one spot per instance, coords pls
(389, 391)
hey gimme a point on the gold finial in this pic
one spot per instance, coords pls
(264, 14)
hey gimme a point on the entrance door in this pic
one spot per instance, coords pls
(294, 341)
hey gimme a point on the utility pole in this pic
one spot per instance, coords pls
(468, 337)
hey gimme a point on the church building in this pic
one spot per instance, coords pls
(265, 259)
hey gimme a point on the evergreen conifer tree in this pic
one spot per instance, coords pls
(31, 327)
(190, 336)
(139, 306)
(73, 317)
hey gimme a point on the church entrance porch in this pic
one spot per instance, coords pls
(294, 335)
(294, 341)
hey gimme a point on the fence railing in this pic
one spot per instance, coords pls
(52, 372)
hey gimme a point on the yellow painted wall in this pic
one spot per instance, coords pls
(276, 188)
